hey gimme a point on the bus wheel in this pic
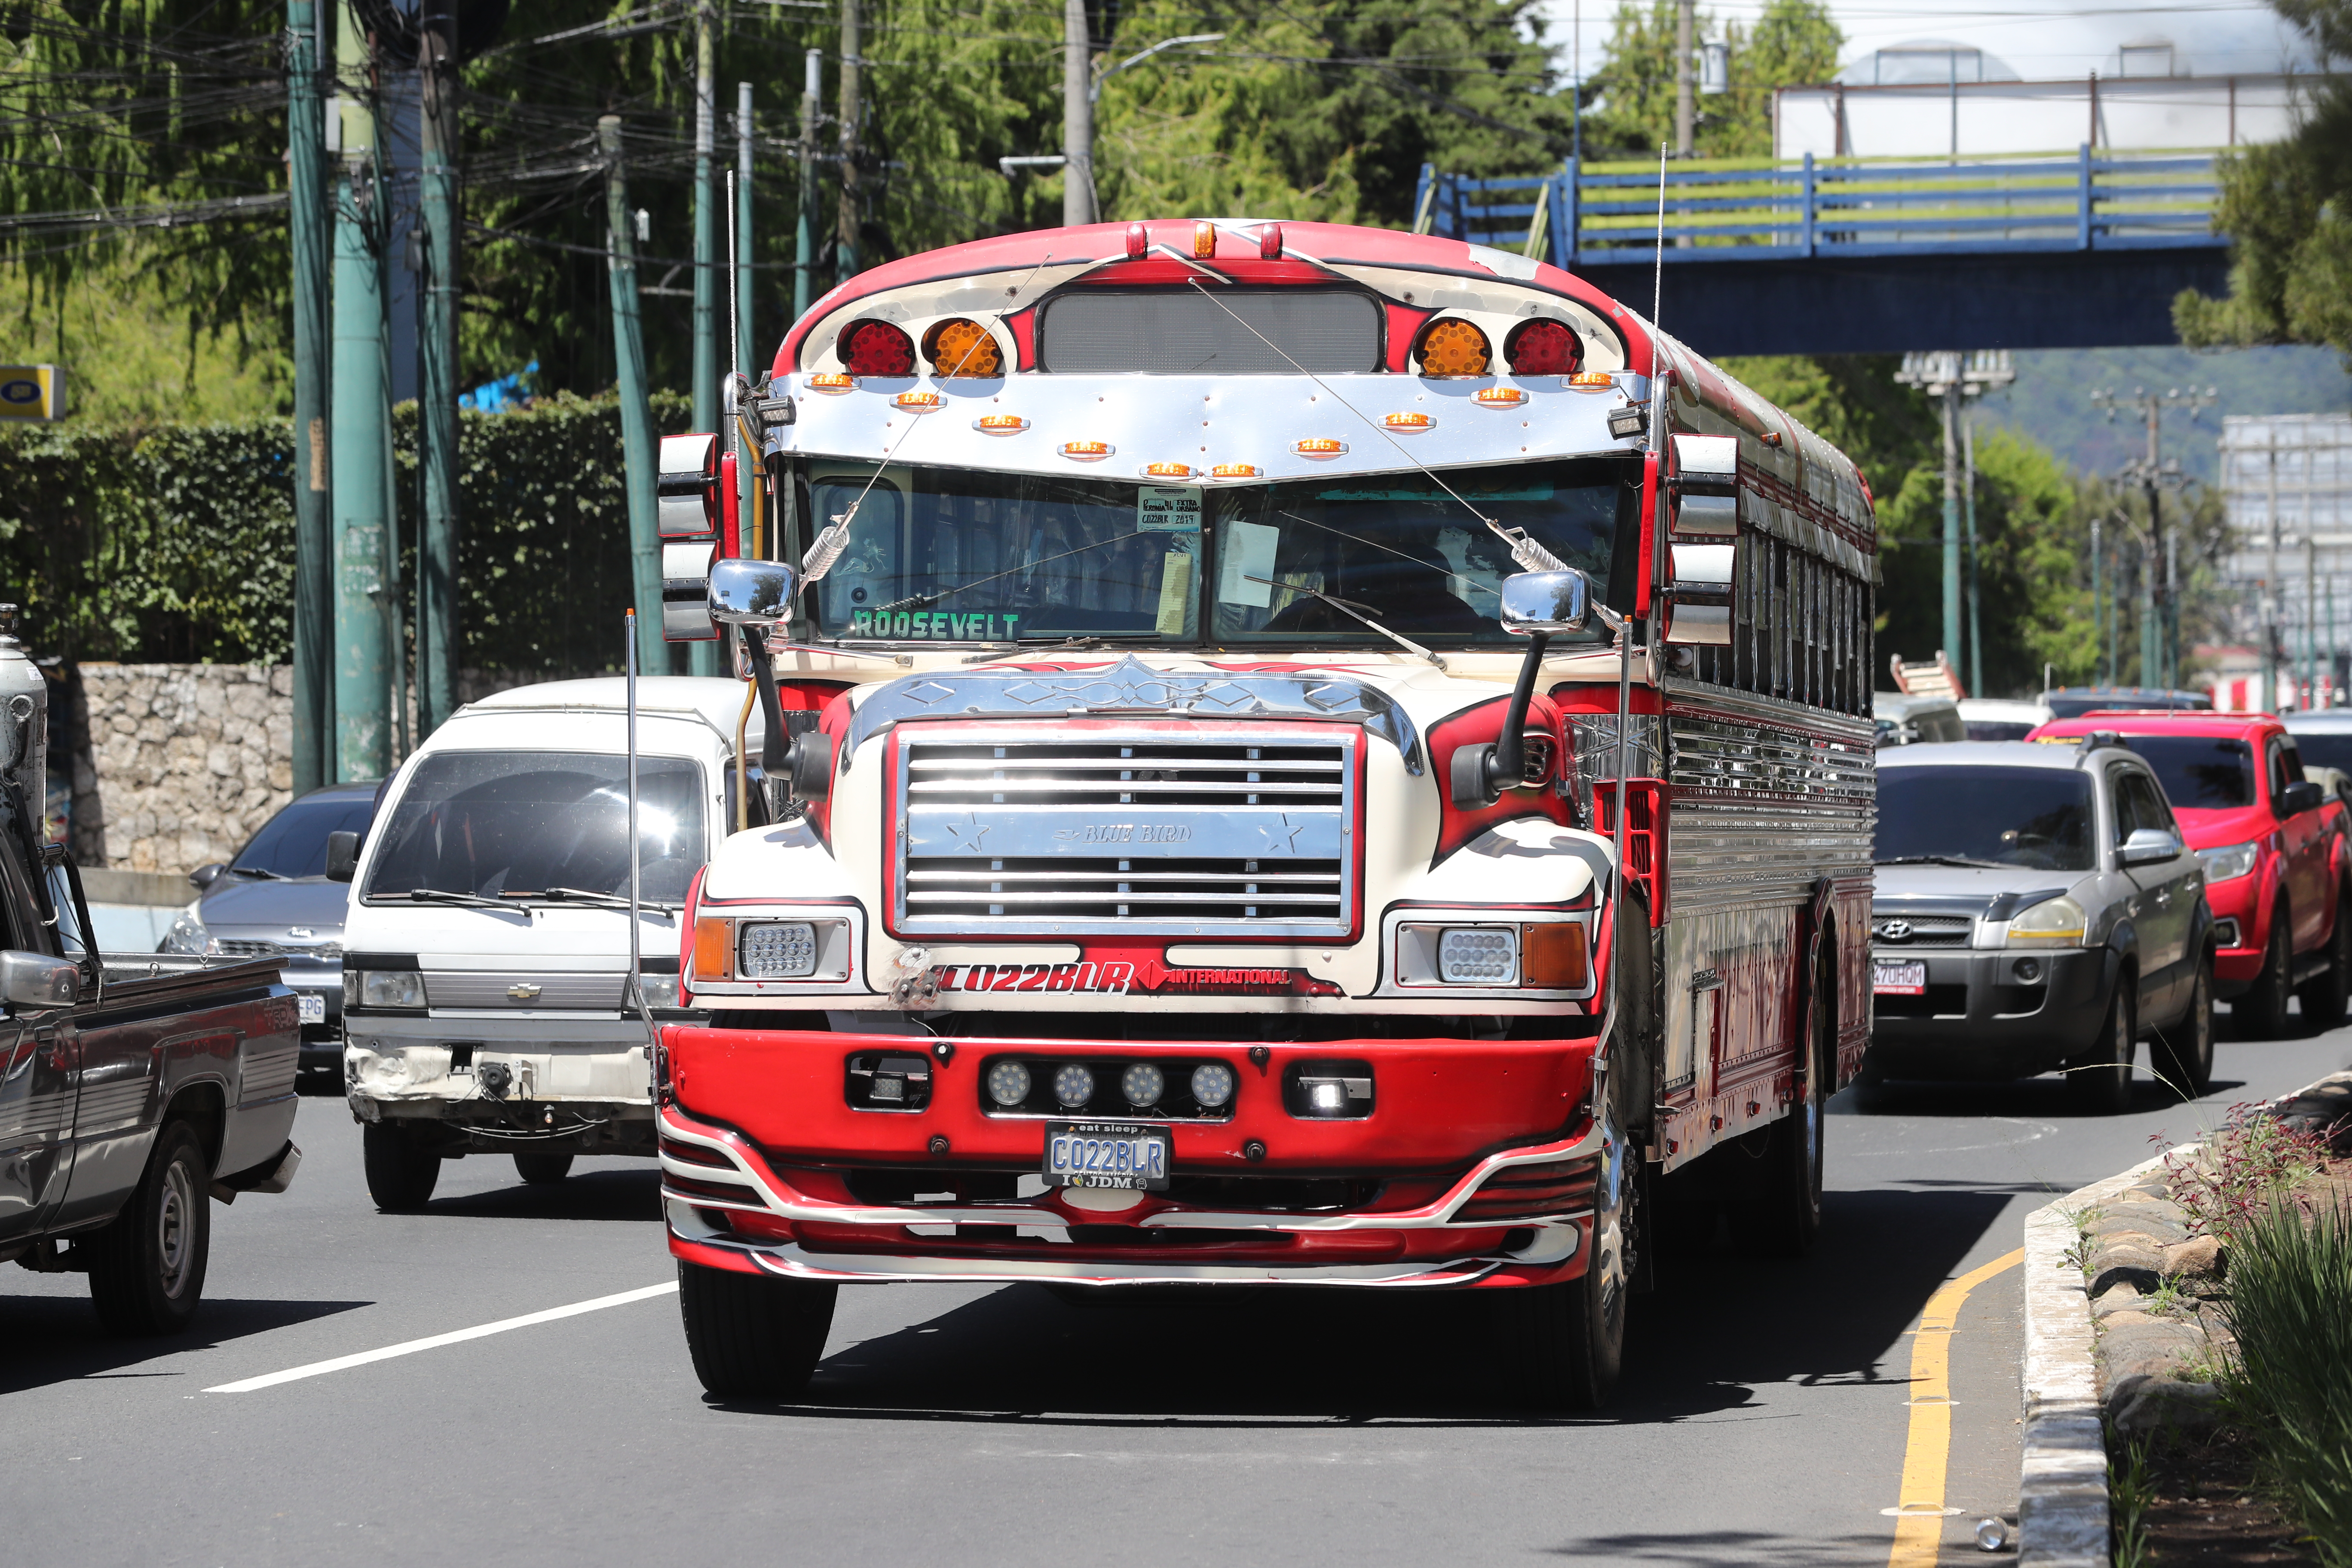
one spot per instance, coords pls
(1563, 1344)
(752, 1337)
(1792, 1200)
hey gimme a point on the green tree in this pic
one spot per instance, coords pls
(1632, 96)
(2287, 209)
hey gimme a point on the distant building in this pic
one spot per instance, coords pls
(2288, 478)
(1934, 98)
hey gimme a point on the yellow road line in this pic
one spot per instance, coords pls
(1919, 1529)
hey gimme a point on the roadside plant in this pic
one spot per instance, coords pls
(2130, 1490)
(2235, 1173)
(2290, 1308)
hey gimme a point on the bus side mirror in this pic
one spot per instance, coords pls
(687, 518)
(1550, 602)
(743, 593)
(342, 855)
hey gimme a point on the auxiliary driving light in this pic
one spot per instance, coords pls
(777, 950)
(1213, 1084)
(1074, 1085)
(1142, 1084)
(1478, 955)
(1008, 1083)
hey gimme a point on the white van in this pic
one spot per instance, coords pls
(487, 950)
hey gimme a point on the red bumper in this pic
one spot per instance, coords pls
(2236, 964)
(1476, 1164)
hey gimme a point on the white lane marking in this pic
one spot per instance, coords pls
(434, 1342)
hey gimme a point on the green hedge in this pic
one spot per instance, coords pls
(175, 543)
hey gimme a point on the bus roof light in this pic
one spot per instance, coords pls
(1139, 242)
(1498, 397)
(1452, 346)
(1086, 451)
(1269, 242)
(1320, 446)
(1166, 471)
(876, 348)
(961, 346)
(1000, 424)
(1409, 422)
(1204, 239)
(1233, 471)
(833, 382)
(1543, 347)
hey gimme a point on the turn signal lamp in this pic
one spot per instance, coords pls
(1408, 422)
(1086, 451)
(961, 346)
(1234, 472)
(1552, 956)
(1204, 240)
(1000, 424)
(1319, 447)
(1452, 346)
(833, 382)
(919, 402)
(1543, 347)
(714, 950)
(1498, 397)
(1166, 471)
(876, 348)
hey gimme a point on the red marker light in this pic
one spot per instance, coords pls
(1138, 242)
(1269, 243)
(876, 348)
(1543, 347)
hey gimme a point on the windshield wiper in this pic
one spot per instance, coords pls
(444, 896)
(1946, 861)
(258, 871)
(1353, 611)
(1068, 645)
(582, 896)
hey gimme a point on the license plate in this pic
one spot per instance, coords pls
(313, 1008)
(1899, 979)
(1119, 1154)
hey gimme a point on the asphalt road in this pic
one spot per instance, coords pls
(1763, 1419)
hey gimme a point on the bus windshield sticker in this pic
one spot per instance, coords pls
(1249, 553)
(1166, 509)
(1175, 592)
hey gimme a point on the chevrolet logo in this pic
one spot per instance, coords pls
(525, 992)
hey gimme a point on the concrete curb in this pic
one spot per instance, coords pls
(2062, 1494)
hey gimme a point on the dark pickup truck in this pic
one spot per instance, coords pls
(133, 1089)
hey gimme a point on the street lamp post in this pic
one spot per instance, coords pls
(1949, 377)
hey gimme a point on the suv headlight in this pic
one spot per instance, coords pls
(2228, 864)
(401, 989)
(2059, 922)
(188, 936)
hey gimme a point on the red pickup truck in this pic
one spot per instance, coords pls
(2272, 847)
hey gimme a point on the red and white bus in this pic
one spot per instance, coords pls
(1226, 838)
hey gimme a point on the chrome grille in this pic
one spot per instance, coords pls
(488, 990)
(1921, 931)
(1215, 832)
(247, 947)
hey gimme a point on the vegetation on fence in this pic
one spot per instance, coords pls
(176, 542)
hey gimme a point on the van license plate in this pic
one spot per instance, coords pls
(1899, 979)
(313, 1009)
(1119, 1154)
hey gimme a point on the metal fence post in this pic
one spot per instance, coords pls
(1563, 216)
(1810, 241)
(2082, 202)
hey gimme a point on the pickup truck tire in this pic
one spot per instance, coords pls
(147, 1268)
(752, 1338)
(400, 1173)
(2261, 1012)
(2325, 997)
(539, 1168)
(2099, 1081)
(2182, 1056)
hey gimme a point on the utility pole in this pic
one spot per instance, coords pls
(309, 237)
(2098, 608)
(2160, 640)
(2271, 590)
(847, 221)
(746, 362)
(805, 232)
(1078, 117)
(706, 229)
(640, 474)
(1949, 377)
(1685, 110)
(359, 485)
(437, 383)
(1969, 508)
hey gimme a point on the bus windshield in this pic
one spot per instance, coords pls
(944, 554)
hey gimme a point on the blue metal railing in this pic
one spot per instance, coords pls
(1731, 212)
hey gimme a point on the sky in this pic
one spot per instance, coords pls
(2062, 39)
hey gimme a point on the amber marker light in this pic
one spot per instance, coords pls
(1233, 471)
(1498, 397)
(1409, 422)
(1204, 240)
(1166, 471)
(1592, 381)
(919, 402)
(1086, 451)
(1319, 447)
(714, 949)
(831, 382)
(1000, 424)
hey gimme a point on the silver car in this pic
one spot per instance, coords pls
(2037, 908)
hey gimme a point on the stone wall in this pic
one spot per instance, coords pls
(175, 765)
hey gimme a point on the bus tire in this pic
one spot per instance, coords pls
(2100, 1080)
(753, 1337)
(147, 1267)
(1792, 1203)
(2261, 1012)
(2327, 996)
(1564, 1344)
(401, 1174)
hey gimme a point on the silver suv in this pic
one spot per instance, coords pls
(2037, 907)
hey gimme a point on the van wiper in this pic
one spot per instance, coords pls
(582, 896)
(444, 896)
(1946, 861)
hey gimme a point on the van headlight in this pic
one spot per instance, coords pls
(393, 990)
(2057, 923)
(2227, 865)
(188, 936)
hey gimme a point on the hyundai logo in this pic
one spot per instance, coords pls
(1894, 931)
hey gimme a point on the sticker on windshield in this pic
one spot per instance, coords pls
(1175, 592)
(1249, 553)
(1163, 508)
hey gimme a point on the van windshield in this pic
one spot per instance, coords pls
(522, 825)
